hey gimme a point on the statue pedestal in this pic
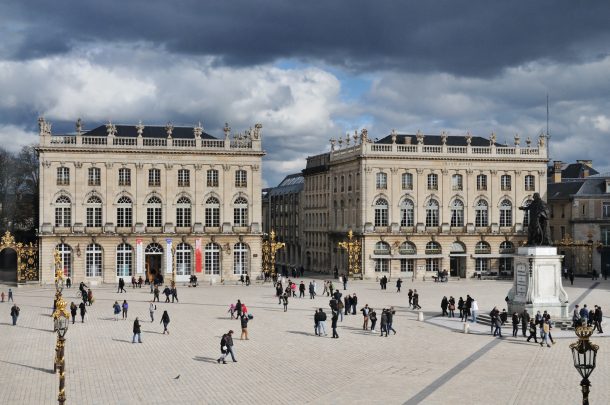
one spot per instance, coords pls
(537, 283)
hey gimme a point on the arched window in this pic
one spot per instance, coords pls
(124, 257)
(506, 213)
(63, 212)
(93, 260)
(212, 212)
(482, 247)
(407, 213)
(432, 213)
(154, 212)
(382, 248)
(124, 212)
(457, 213)
(507, 247)
(184, 255)
(381, 212)
(212, 259)
(65, 254)
(433, 248)
(154, 248)
(481, 214)
(183, 212)
(240, 259)
(94, 212)
(407, 248)
(240, 212)
(381, 181)
(526, 214)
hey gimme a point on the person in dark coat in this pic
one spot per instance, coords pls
(244, 327)
(515, 324)
(416, 300)
(167, 293)
(165, 321)
(285, 302)
(156, 294)
(121, 286)
(373, 319)
(333, 325)
(73, 309)
(444, 305)
(14, 313)
(302, 290)
(226, 347)
(83, 311)
(398, 285)
(525, 320)
(599, 317)
(238, 309)
(390, 316)
(348, 302)
(354, 303)
(136, 331)
(384, 322)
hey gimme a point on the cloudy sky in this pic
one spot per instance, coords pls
(313, 70)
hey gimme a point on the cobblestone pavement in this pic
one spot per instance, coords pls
(427, 362)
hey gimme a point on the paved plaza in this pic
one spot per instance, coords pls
(430, 362)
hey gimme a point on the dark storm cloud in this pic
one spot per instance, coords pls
(469, 38)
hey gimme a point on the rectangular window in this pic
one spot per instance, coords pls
(212, 178)
(184, 178)
(63, 176)
(505, 182)
(407, 265)
(530, 183)
(183, 217)
(123, 263)
(606, 209)
(456, 182)
(95, 176)
(94, 217)
(482, 265)
(433, 265)
(154, 177)
(153, 217)
(382, 265)
(381, 181)
(124, 177)
(605, 236)
(241, 178)
(481, 182)
(407, 181)
(94, 262)
(123, 217)
(432, 182)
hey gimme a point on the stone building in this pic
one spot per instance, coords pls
(421, 203)
(123, 200)
(282, 214)
(579, 201)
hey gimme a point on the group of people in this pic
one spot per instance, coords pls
(590, 317)
(10, 295)
(413, 299)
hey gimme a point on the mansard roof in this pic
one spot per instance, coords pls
(437, 140)
(148, 132)
(563, 190)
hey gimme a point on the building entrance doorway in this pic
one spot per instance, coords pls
(8, 266)
(152, 261)
(457, 266)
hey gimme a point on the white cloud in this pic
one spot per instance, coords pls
(13, 138)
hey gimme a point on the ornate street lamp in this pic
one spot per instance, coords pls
(584, 353)
(61, 318)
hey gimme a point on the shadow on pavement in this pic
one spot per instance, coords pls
(205, 359)
(44, 370)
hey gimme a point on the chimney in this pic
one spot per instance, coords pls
(557, 171)
(587, 164)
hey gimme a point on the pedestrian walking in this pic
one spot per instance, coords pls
(365, 313)
(238, 309)
(373, 318)
(344, 281)
(354, 303)
(2, 296)
(384, 322)
(347, 303)
(14, 313)
(545, 334)
(451, 307)
(576, 316)
(460, 307)
(125, 307)
(416, 300)
(444, 305)
(398, 285)
(175, 294)
(244, 327)
(515, 323)
(532, 331)
(165, 321)
(151, 309)
(136, 331)
(285, 302)
(302, 290)
(571, 277)
(156, 293)
(83, 311)
(598, 319)
(73, 309)
(90, 297)
(117, 310)
(325, 291)
(10, 295)
(498, 326)
(390, 315)
(525, 320)
(121, 288)
(312, 291)
(333, 324)
(410, 295)
(226, 347)
(68, 282)
(167, 292)
(474, 308)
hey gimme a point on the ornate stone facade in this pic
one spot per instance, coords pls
(122, 200)
(421, 203)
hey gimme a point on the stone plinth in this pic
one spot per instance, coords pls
(537, 283)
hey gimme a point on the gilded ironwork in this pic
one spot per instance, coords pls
(354, 249)
(27, 257)
(61, 311)
(589, 244)
(270, 248)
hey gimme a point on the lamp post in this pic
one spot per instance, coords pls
(61, 318)
(353, 248)
(270, 247)
(584, 353)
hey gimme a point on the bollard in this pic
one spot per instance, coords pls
(466, 327)
(420, 316)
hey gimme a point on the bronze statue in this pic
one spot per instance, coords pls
(538, 229)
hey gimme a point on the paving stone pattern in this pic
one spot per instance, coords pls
(284, 362)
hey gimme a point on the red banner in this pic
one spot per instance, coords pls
(198, 261)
